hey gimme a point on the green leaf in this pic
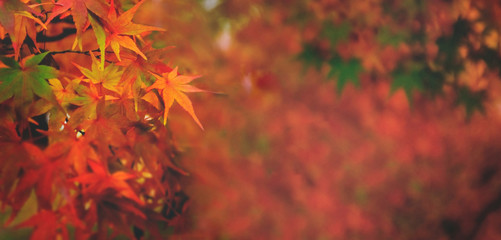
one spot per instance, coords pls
(336, 33)
(448, 46)
(23, 83)
(100, 36)
(472, 101)
(29, 209)
(11, 62)
(433, 82)
(345, 72)
(387, 37)
(109, 76)
(7, 83)
(40, 86)
(35, 59)
(311, 56)
(407, 81)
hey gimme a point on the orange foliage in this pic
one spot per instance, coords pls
(371, 119)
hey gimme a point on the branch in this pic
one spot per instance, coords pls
(71, 51)
(78, 52)
(41, 37)
(67, 19)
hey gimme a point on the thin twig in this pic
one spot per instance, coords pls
(72, 51)
(80, 52)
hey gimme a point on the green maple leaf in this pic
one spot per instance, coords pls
(336, 33)
(386, 36)
(433, 82)
(311, 56)
(345, 72)
(410, 81)
(472, 101)
(23, 81)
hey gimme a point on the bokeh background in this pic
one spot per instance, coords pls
(372, 119)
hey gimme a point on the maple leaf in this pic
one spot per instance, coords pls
(16, 19)
(433, 82)
(7, 10)
(336, 33)
(101, 180)
(89, 99)
(45, 225)
(472, 101)
(66, 94)
(387, 37)
(345, 72)
(105, 129)
(100, 37)
(108, 76)
(34, 163)
(125, 103)
(407, 81)
(121, 28)
(136, 68)
(79, 11)
(41, 176)
(12, 152)
(311, 56)
(80, 153)
(172, 87)
(23, 81)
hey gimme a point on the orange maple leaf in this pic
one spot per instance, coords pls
(121, 28)
(101, 180)
(172, 87)
(79, 10)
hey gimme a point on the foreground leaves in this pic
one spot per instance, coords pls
(17, 20)
(172, 88)
(84, 156)
(107, 77)
(121, 27)
(24, 80)
(80, 11)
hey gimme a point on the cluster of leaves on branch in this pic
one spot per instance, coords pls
(85, 150)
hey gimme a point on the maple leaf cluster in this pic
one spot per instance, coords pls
(422, 48)
(85, 148)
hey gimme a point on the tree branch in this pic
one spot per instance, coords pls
(79, 52)
(41, 37)
(71, 51)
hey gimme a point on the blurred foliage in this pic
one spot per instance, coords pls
(290, 154)
(393, 148)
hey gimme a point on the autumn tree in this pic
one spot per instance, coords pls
(84, 104)
(373, 119)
